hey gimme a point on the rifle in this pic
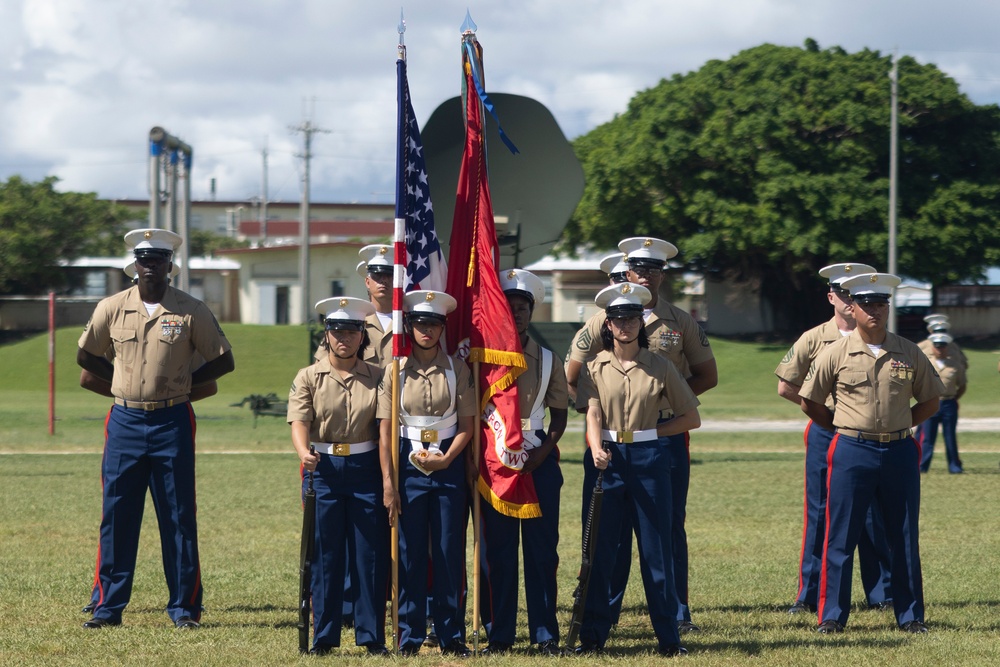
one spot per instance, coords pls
(589, 546)
(307, 554)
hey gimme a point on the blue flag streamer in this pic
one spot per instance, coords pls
(484, 98)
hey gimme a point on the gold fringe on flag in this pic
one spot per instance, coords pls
(507, 508)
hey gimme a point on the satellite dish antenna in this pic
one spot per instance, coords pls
(534, 193)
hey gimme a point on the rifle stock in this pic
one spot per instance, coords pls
(307, 552)
(583, 579)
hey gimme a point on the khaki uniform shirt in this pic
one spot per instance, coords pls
(673, 334)
(954, 351)
(379, 350)
(794, 366)
(425, 389)
(870, 394)
(951, 370)
(337, 409)
(153, 354)
(633, 400)
(556, 394)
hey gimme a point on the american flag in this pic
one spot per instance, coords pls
(416, 243)
(426, 267)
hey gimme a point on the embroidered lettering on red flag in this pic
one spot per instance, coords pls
(482, 328)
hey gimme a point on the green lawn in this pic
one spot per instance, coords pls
(744, 525)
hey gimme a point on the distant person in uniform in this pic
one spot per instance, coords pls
(874, 557)
(874, 376)
(541, 386)
(331, 410)
(951, 369)
(674, 335)
(634, 399)
(437, 410)
(155, 331)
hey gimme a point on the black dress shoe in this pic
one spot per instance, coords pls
(496, 648)
(376, 649)
(801, 608)
(914, 627)
(89, 608)
(549, 647)
(322, 649)
(588, 647)
(672, 650)
(98, 623)
(829, 628)
(456, 648)
(431, 640)
(186, 623)
(685, 627)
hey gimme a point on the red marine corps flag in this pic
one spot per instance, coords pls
(482, 328)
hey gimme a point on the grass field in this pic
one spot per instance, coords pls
(744, 525)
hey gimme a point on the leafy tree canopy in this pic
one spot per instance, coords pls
(770, 165)
(40, 226)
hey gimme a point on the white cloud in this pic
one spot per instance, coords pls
(85, 80)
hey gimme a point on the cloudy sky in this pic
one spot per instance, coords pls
(83, 81)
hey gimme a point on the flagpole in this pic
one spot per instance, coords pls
(400, 232)
(476, 515)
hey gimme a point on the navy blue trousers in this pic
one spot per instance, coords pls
(637, 483)
(947, 418)
(437, 502)
(680, 480)
(874, 556)
(862, 472)
(349, 512)
(501, 537)
(149, 450)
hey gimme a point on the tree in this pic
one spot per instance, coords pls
(770, 165)
(39, 227)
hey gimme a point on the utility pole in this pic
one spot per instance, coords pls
(893, 179)
(263, 196)
(307, 129)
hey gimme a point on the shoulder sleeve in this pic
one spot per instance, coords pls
(820, 378)
(557, 393)
(677, 391)
(96, 337)
(697, 349)
(795, 364)
(926, 382)
(300, 397)
(587, 341)
(206, 334)
(384, 409)
(586, 390)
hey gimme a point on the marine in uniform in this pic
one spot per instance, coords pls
(331, 410)
(873, 375)
(674, 335)
(874, 558)
(541, 386)
(154, 331)
(951, 369)
(437, 411)
(634, 398)
(377, 272)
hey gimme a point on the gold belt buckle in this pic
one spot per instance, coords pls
(341, 449)
(149, 406)
(525, 424)
(884, 437)
(428, 435)
(623, 437)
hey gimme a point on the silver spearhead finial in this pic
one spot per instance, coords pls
(469, 26)
(401, 28)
